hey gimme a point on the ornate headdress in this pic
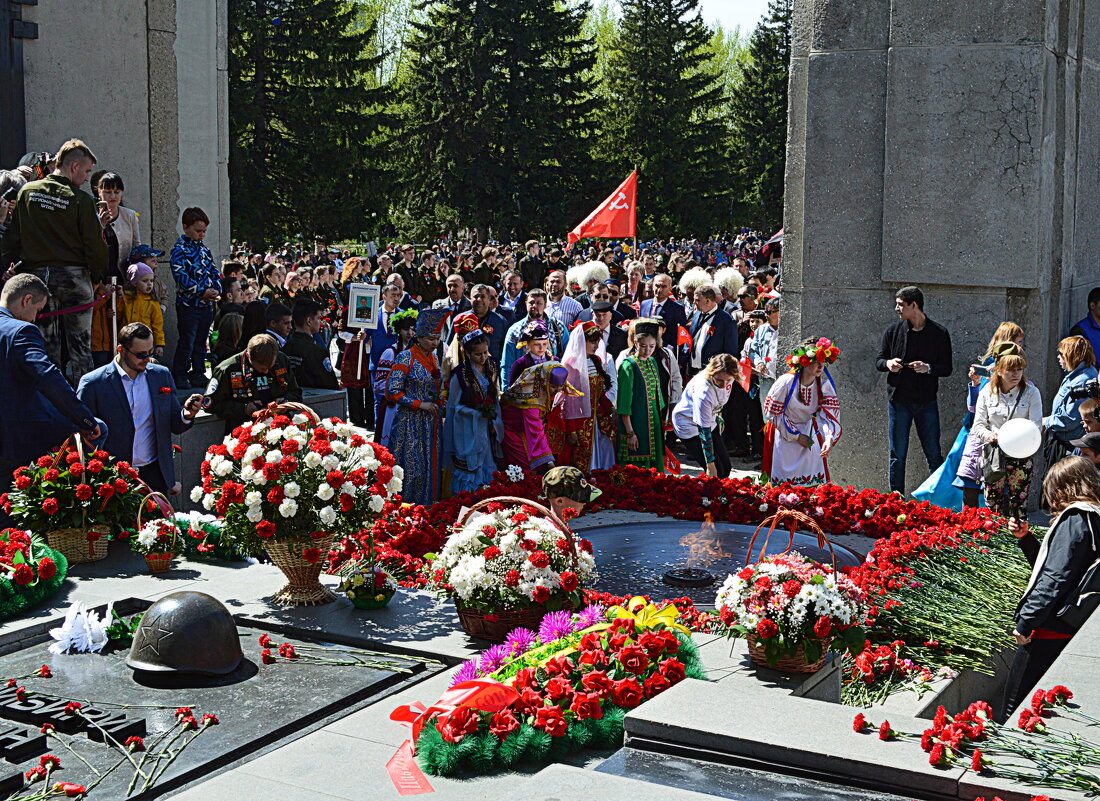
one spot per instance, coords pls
(403, 319)
(823, 351)
(467, 327)
(429, 323)
(536, 329)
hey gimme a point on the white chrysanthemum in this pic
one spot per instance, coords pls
(325, 492)
(196, 494)
(376, 503)
(327, 515)
(291, 489)
(312, 460)
(288, 508)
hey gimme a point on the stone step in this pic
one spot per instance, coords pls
(565, 782)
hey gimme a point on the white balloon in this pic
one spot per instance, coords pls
(1019, 438)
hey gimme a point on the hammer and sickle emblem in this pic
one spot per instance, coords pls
(620, 202)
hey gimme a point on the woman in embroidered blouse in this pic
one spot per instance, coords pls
(402, 324)
(582, 429)
(641, 402)
(803, 416)
(1007, 396)
(473, 430)
(413, 385)
(695, 418)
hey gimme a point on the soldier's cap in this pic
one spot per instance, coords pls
(569, 482)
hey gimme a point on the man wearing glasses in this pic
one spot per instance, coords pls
(137, 400)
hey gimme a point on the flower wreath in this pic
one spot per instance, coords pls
(823, 351)
(398, 317)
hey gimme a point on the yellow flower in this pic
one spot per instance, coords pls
(380, 597)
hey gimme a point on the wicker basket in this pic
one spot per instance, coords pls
(159, 562)
(496, 626)
(303, 587)
(795, 663)
(77, 545)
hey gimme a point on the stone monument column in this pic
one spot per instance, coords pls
(946, 145)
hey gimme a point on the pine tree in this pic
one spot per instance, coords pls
(664, 117)
(495, 105)
(760, 119)
(304, 120)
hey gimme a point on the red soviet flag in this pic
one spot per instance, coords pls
(613, 218)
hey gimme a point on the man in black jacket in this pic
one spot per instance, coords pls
(915, 353)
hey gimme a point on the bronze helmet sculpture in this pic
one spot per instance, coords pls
(186, 632)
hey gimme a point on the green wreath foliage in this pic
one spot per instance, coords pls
(483, 752)
(14, 600)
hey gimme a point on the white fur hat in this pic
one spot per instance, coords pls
(575, 276)
(694, 278)
(597, 271)
(729, 280)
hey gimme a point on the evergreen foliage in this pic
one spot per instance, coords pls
(760, 119)
(304, 123)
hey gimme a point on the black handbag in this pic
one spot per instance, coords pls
(1086, 598)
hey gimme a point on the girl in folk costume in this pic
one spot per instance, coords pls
(582, 429)
(803, 416)
(535, 339)
(403, 325)
(524, 407)
(473, 431)
(641, 403)
(413, 386)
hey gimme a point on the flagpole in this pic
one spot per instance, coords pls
(635, 220)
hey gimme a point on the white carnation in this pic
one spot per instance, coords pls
(208, 501)
(254, 514)
(299, 419)
(393, 486)
(327, 515)
(347, 488)
(253, 498)
(312, 460)
(288, 508)
(292, 489)
(330, 462)
(273, 457)
(325, 492)
(196, 494)
(274, 435)
(376, 503)
(224, 468)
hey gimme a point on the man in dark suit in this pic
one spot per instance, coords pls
(600, 293)
(713, 331)
(513, 299)
(493, 323)
(38, 407)
(624, 310)
(662, 305)
(614, 338)
(138, 401)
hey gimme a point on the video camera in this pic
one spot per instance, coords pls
(1089, 390)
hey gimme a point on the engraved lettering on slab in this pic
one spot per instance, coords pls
(18, 744)
(114, 723)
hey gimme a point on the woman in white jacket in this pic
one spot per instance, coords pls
(699, 410)
(1007, 396)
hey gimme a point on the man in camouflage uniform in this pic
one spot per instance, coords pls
(245, 383)
(58, 235)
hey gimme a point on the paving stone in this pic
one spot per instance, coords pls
(562, 782)
(799, 732)
(248, 787)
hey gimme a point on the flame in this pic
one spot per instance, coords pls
(703, 546)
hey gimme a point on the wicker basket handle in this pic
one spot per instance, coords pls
(290, 409)
(549, 513)
(73, 439)
(795, 519)
(161, 504)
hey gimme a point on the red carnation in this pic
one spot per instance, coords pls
(46, 461)
(69, 789)
(312, 555)
(49, 506)
(35, 774)
(95, 466)
(73, 707)
(266, 657)
(884, 731)
(503, 723)
(766, 629)
(22, 482)
(822, 627)
(634, 659)
(289, 446)
(83, 491)
(47, 568)
(134, 744)
(859, 723)
(584, 545)
(540, 595)
(23, 575)
(627, 693)
(791, 588)
(265, 640)
(551, 720)
(569, 581)
(511, 578)
(105, 491)
(76, 470)
(491, 553)
(44, 672)
(265, 528)
(347, 503)
(51, 475)
(539, 558)
(459, 723)
(288, 465)
(276, 495)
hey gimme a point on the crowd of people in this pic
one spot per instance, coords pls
(490, 355)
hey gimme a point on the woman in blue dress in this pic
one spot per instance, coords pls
(946, 486)
(472, 432)
(413, 385)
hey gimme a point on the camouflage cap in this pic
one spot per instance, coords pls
(569, 482)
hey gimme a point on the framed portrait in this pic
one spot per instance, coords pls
(364, 301)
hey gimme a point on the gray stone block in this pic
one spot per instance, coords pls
(796, 732)
(983, 22)
(839, 25)
(250, 787)
(564, 783)
(964, 128)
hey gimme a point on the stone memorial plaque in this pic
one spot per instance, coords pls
(633, 558)
(258, 706)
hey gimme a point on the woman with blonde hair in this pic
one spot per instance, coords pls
(957, 482)
(696, 418)
(1007, 396)
(1064, 424)
(1055, 604)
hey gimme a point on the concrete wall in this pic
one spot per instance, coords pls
(144, 83)
(938, 145)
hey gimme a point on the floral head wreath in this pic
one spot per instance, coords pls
(823, 351)
(403, 318)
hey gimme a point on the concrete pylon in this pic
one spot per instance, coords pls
(952, 145)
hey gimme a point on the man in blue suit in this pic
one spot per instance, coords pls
(712, 330)
(138, 401)
(38, 408)
(662, 305)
